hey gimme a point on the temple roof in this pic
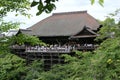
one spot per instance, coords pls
(64, 24)
(25, 31)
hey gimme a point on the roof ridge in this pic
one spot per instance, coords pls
(73, 12)
(25, 29)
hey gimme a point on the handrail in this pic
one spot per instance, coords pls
(68, 48)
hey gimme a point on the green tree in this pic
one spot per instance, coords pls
(110, 27)
(19, 6)
(22, 6)
(4, 27)
(34, 70)
(49, 5)
(21, 39)
(11, 67)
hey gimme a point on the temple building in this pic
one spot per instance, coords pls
(64, 32)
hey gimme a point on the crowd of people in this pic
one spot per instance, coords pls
(53, 48)
(50, 48)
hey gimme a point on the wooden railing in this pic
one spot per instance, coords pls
(53, 48)
(48, 49)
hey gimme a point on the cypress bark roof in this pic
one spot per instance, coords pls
(64, 24)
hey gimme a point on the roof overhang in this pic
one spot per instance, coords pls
(83, 36)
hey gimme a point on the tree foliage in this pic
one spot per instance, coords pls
(101, 2)
(34, 70)
(11, 67)
(110, 27)
(14, 68)
(21, 39)
(5, 26)
(44, 5)
(49, 5)
(20, 6)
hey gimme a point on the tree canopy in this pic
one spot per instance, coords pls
(19, 6)
(22, 6)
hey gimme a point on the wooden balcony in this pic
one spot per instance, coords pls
(53, 49)
(49, 55)
(48, 49)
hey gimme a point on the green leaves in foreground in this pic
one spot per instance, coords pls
(49, 5)
(44, 6)
(19, 6)
(21, 39)
(11, 67)
(5, 26)
(15, 68)
(101, 2)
